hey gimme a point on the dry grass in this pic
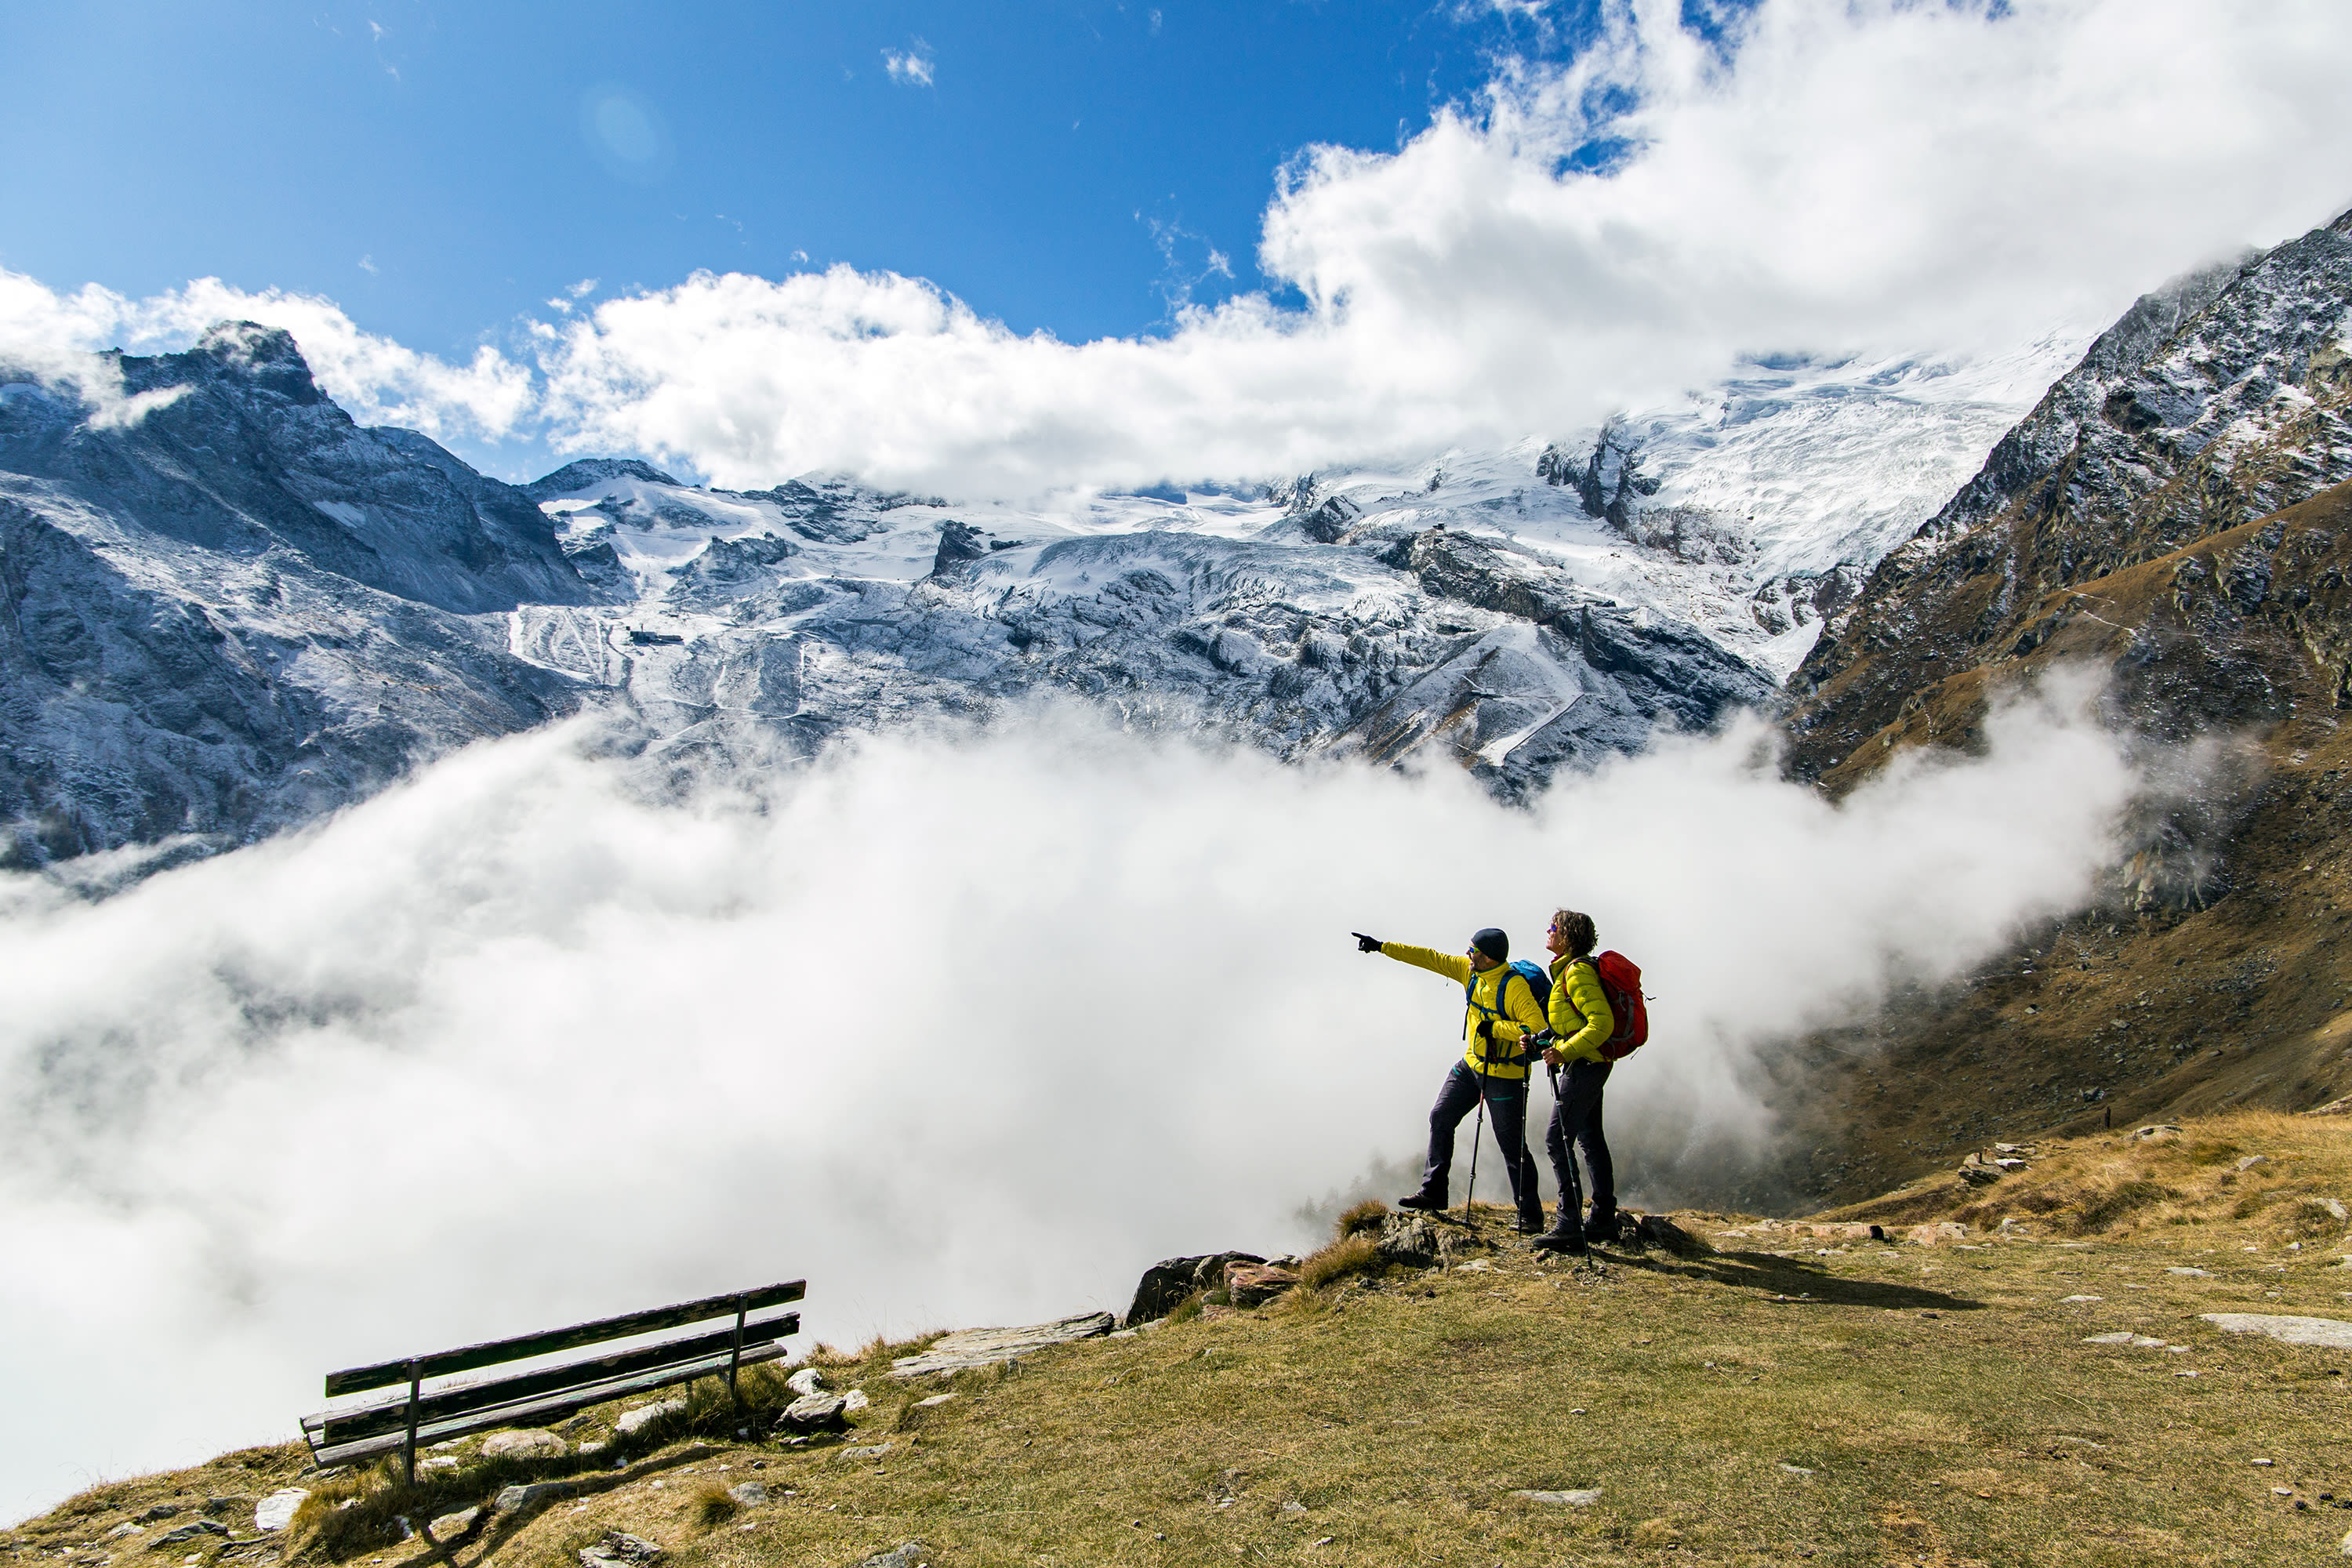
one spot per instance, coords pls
(714, 1505)
(1365, 1216)
(1778, 1401)
(1350, 1256)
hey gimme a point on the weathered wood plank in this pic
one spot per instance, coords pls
(348, 1424)
(533, 1413)
(467, 1358)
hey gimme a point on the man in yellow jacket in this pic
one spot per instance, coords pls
(1581, 1024)
(1500, 1017)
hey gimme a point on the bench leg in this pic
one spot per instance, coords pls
(408, 1445)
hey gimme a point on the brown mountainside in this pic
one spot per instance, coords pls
(2175, 513)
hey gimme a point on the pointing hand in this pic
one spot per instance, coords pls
(1365, 943)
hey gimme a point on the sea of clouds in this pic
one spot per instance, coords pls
(1583, 238)
(963, 1027)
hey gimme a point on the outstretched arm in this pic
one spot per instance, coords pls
(1451, 965)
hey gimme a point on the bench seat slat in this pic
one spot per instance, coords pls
(533, 1412)
(337, 1427)
(466, 1358)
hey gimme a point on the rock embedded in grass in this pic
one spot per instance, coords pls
(526, 1443)
(1583, 1497)
(2328, 1332)
(276, 1511)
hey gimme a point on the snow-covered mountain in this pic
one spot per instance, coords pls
(231, 607)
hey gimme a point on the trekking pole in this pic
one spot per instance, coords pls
(1477, 1137)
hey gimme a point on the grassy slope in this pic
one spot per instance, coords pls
(1942, 1399)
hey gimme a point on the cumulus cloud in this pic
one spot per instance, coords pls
(1591, 237)
(963, 1028)
(1585, 238)
(377, 380)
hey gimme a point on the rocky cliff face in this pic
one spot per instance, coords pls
(239, 608)
(2213, 402)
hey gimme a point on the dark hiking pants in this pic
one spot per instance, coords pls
(1576, 1122)
(1507, 1112)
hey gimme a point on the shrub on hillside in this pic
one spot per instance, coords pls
(1367, 1215)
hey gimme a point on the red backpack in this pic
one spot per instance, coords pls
(1621, 981)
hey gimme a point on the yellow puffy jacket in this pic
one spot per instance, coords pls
(1581, 1014)
(1518, 1002)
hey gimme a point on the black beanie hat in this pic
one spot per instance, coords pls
(1492, 943)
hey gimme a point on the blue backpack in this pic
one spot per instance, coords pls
(1538, 981)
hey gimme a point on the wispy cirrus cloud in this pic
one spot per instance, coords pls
(911, 67)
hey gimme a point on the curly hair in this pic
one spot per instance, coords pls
(1576, 927)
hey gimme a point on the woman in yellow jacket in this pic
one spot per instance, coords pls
(1581, 1023)
(1500, 1019)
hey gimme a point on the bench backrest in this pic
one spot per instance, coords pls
(543, 1393)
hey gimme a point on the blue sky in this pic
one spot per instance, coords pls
(1407, 226)
(1070, 165)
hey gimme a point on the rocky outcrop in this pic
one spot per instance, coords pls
(2211, 405)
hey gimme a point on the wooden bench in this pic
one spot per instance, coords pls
(543, 1393)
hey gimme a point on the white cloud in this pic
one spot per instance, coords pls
(377, 380)
(1882, 174)
(963, 1029)
(909, 67)
(1856, 175)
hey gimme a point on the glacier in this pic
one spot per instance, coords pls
(233, 609)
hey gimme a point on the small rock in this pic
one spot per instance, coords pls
(276, 1511)
(2189, 1273)
(187, 1532)
(619, 1547)
(451, 1525)
(751, 1494)
(934, 1402)
(1171, 1279)
(515, 1498)
(2251, 1161)
(805, 1382)
(872, 1451)
(1583, 1498)
(815, 1413)
(2329, 1332)
(1795, 1469)
(1939, 1233)
(907, 1555)
(2333, 1208)
(125, 1528)
(644, 1415)
(2065, 1298)
(2162, 1133)
(161, 1510)
(528, 1443)
(854, 1401)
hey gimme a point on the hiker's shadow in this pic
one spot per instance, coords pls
(1798, 1282)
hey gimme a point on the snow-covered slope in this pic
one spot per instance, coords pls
(239, 608)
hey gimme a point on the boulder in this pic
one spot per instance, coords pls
(986, 1347)
(1171, 1279)
(1937, 1232)
(806, 1381)
(1254, 1284)
(276, 1511)
(525, 1443)
(449, 1526)
(815, 1413)
(854, 1401)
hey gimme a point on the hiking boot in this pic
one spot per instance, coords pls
(1565, 1236)
(1532, 1221)
(1601, 1227)
(1427, 1203)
